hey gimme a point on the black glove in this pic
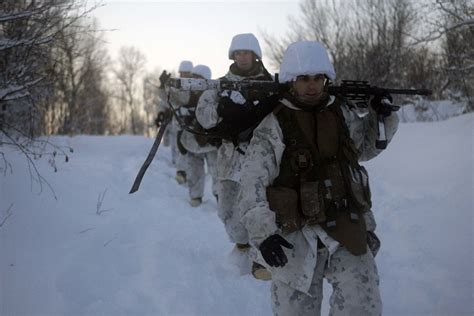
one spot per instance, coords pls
(380, 105)
(272, 251)
(160, 118)
(266, 105)
(247, 112)
(163, 78)
(231, 111)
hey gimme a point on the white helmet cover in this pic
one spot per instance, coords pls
(246, 41)
(202, 71)
(185, 66)
(305, 58)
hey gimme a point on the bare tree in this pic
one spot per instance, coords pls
(131, 63)
(388, 42)
(366, 41)
(457, 31)
(81, 104)
(28, 34)
(151, 98)
(4, 218)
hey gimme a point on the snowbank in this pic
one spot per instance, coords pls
(150, 253)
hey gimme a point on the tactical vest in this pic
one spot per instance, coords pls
(320, 179)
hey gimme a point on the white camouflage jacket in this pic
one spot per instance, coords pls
(229, 159)
(261, 167)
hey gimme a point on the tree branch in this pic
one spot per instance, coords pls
(8, 213)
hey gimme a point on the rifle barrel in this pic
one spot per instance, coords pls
(370, 90)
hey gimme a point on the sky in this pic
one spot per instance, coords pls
(168, 32)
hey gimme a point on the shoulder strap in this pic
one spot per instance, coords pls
(278, 108)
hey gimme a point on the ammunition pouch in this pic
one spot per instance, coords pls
(357, 178)
(284, 202)
(201, 140)
(312, 202)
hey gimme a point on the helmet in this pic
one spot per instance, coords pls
(202, 71)
(305, 58)
(246, 41)
(185, 66)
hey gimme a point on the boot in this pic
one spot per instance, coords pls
(180, 176)
(196, 202)
(259, 272)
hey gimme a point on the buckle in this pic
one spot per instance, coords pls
(354, 217)
(302, 161)
(328, 186)
(331, 224)
(341, 205)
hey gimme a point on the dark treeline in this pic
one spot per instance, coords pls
(56, 76)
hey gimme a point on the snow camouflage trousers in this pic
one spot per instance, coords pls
(355, 284)
(229, 211)
(196, 174)
(173, 144)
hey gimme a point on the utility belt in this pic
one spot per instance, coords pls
(343, 191)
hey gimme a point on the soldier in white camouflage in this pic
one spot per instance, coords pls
(178, 99)
(246, 55)
(305, 197)
(200, 149)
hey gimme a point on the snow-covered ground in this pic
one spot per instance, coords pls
(150, 253)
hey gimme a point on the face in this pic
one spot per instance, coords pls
(244, 59)
(309, 89)
(185, 74)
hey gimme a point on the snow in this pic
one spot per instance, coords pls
(150, 253)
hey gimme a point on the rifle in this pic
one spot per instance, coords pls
(357, 91)
(350, 89)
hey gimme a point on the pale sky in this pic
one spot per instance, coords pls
(168, 32)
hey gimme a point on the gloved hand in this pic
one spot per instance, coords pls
(266, 105)
(272, 251)
(163, 78)
(159, 119)
(382, 104)
(231, 111)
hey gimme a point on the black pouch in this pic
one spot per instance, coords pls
(284, 202)
(201, 140)
(334, 182)
(312, 202)
(359, 189)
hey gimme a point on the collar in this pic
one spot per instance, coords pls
(289, 104)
